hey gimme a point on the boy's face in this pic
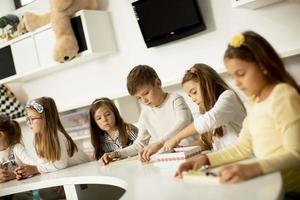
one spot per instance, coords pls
(247, 76)
(105, 119)
(150, 95)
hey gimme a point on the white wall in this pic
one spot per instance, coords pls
(106, 76)
(6, 6)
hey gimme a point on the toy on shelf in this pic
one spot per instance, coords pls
(8, 24)
(66, 47)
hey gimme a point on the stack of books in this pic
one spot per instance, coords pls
(177, 156)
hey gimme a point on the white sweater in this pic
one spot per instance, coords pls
(65, 161)
(161, 123)
(20, 154)
(227, 112)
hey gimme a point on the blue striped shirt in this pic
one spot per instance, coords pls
(110, 145)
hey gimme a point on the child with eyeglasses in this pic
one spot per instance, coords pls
(109, 132)
(54, 147)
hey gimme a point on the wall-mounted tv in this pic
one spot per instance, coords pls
(162, 21)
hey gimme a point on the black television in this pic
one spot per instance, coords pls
(162, 21)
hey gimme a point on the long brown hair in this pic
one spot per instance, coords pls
(211, 87)
(258, 50)
(96, 132)
(47, 142)
(11, 129)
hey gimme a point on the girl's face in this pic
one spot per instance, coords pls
(34, 120)
(247, 76)
(105, 119)
(149, 95)
(192, 88)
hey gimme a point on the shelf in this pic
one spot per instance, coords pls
(291, 53)
(78, 128)
(252, 4)
(80, 137)
(94, 34)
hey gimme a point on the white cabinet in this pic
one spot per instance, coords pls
(24, 55)
(98, 31)
(33, 51)
(252, 4)
(45, 42)
(76, 123)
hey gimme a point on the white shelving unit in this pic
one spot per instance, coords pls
(38, 47)
(252, 4)
(291, 53)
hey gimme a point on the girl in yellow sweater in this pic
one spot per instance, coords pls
(271, 130)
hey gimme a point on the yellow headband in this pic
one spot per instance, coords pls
(237, 40)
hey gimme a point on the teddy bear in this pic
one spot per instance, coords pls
(66, 46)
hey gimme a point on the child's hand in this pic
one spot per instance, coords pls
(107, 158)
(25, 171)
(239, 172)
(6, 175)
(191, 165)
(145, 153)
(170, 144)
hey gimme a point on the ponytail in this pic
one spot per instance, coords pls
(11, 129)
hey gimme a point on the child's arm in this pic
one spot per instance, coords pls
(290, 157)
(242, 149)
(140, 142)
(183, 117)
(228, 108)
(174, 141)
(24, 157)
(286, 115)
(6, 175)
(25, 171)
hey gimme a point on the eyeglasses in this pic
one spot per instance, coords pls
(30, 120)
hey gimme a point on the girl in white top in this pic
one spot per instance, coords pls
(221, 110)
(12, 152)
(54, 147)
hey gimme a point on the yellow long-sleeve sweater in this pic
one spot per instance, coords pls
(271, 131)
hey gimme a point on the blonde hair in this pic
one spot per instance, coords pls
(46, 142)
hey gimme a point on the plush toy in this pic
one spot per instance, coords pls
(8, 24)
(61, 11)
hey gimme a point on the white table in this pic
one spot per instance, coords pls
(146, 182)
